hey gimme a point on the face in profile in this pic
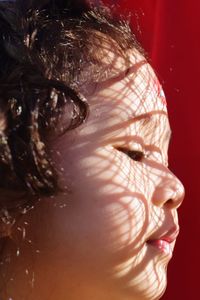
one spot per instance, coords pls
(112, 234)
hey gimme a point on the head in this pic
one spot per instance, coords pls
(86, 189)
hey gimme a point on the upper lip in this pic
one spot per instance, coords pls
(168, 236)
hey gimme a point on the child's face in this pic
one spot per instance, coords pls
(98, 238)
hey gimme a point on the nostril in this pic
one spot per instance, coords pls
(176, 200)
(169, 193)
(169, 203)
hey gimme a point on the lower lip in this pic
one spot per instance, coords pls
(162, 246)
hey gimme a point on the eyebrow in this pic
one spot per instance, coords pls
(146, 119)
(151, 120)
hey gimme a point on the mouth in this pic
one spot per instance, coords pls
(165, 243)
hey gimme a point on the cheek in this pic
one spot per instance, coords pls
(110, 206)
(125, 217)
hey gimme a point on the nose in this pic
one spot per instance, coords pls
(169, 191)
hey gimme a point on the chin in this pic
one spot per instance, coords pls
(156, 286)
(149, 284)
(149, 293)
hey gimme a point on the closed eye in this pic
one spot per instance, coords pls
(135, 155)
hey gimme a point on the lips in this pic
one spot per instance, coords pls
(164, 242)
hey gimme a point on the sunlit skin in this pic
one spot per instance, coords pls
(96, 240)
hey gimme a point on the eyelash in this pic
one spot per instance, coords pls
(133, 154)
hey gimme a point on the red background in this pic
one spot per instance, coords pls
(170, 32)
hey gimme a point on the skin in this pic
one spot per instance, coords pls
(91, 242)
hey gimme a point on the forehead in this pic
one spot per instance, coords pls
(131, 101)
(132, 84)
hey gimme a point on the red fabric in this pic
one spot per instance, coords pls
(170, 32)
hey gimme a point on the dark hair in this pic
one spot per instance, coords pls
(49, 50)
